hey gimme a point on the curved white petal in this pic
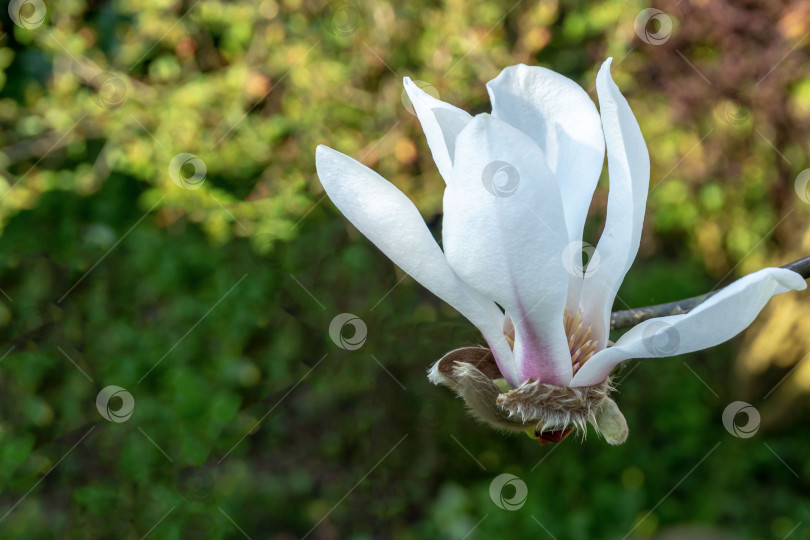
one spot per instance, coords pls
(718, 319)
(629, 172)
(561, 118)
(388, 218)
(504, 234)
(441, 122)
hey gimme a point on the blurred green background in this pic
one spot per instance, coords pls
(211, 303)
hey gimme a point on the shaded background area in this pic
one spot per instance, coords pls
(209, 297)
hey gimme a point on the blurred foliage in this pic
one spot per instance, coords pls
(211, 305)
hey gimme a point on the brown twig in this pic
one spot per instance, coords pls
(630, 317)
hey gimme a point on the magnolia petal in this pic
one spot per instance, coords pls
(441, 123)
(504, 233)
(388, 218)
(629, 172)
(562, 119)
(718, 319)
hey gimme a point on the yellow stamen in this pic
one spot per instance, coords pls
(580, 344)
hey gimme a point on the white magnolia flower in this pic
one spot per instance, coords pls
(519, 184)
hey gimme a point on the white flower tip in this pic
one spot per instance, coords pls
(481, 121)
(326, 161)
(508, 70)
(791, 280)
(604, 79)
(322, 152)
(606, 65)
(604, 70)
(480, 126)
(415, 94)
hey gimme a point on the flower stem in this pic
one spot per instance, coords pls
(630, 317)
